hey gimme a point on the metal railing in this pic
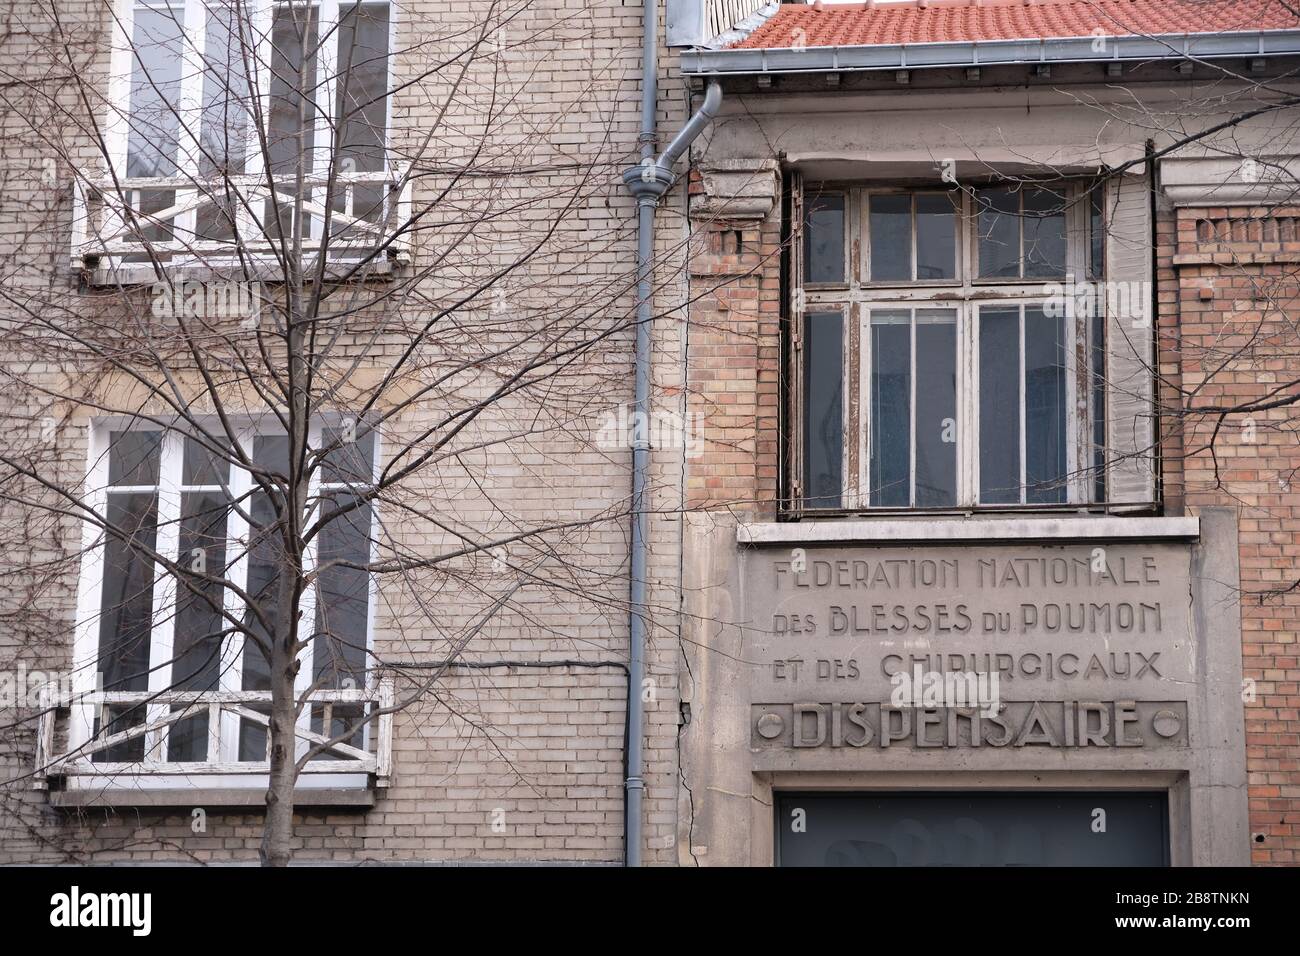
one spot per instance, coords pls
(225, 710)
(114, 232)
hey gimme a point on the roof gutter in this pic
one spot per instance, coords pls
(916, 56)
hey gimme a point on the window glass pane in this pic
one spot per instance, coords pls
(293, 87)
(823, 243)
(340, 718)
(999, 233)
(936, 408)
(199, 625)
(891, 238)
(1044, 225)
(343, 597)
(362, 107)
(224, 127)
(133, 457)
(150, 202)
(1044, 408)
(265, 549)
(999, 401)
(126, 615)
(152, 138)
(293, 101)
(202, 466)
(823, 410)
(153, 124)
(351, 462)
(226, 94)
(891, 395)
(936, 237)
(1096, 235)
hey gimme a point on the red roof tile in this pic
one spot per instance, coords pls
(865, 24)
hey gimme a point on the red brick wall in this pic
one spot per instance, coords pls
(734, 364)
(1228, 307)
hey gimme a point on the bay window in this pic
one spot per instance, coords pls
(940, 360)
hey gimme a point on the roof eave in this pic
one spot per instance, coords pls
(918, 56)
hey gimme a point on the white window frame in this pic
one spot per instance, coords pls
(122, 64)
(857, 295)
(231, 671)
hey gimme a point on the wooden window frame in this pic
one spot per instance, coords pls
(858, 295)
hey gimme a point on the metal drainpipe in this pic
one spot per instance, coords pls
(647, 182)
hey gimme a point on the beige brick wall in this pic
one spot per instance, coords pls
(545, 747)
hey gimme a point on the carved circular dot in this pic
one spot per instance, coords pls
(770, 726)
(1166, 723)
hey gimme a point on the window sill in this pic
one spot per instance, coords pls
(105, 271)
(251, 794)
(890, 531)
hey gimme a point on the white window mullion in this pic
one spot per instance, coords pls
(238, 540)
(394, 12)
(85, 660)
(162, 633)
(118, 128)
(861, 206)
(912, 224)
(372, 580)
(251, 216)
(968, 398)
(307, 663)
(121, 68)
(190, 108)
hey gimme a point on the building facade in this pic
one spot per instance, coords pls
(967, 532)
(900, 247)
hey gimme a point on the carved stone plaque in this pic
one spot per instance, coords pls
(1070, 648)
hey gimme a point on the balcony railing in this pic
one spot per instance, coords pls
(121, 227)
(226, 711)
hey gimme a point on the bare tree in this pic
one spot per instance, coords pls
(329, 314)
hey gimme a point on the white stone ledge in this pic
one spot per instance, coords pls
(245, 797)
(967, 530)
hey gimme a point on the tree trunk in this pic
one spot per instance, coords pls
(277, 834)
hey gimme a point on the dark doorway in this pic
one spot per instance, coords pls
(1105, 828)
